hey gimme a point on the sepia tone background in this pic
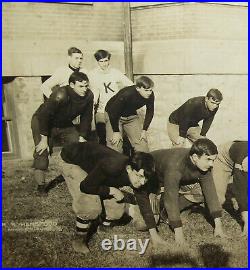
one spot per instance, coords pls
(186, 48)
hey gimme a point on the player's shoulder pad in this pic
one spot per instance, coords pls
(60, 95)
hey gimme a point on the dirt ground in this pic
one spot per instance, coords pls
(37, 232)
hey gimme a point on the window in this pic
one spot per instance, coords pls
(10, 144)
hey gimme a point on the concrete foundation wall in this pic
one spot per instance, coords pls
(190, 56)
(231, 120)
(26, 97)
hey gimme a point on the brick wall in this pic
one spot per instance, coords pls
(190, 21)
(54, 21)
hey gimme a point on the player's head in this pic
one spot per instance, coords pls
(144, 85)
(141, 168)
(75, 57)
(79, 82)
(213, 99)
(203, 153)
(103, 58)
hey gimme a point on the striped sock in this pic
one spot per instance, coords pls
(106, 222)
(82, 225)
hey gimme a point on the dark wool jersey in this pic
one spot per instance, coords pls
(238, 151)
(125, 103)
(190, 114)
(174, 168)
(106, 168)
(64, 105)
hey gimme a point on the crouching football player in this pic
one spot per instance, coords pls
(94, 173)
(180, 167)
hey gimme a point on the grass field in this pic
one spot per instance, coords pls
(37, 232)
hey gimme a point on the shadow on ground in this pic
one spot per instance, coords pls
(214, 256)
(173, 259)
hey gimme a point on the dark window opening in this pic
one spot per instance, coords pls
(10, 144)
(5, 140)
(8, 79)
(45, 78)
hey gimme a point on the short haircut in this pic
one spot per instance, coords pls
(145, 82)
(100, 54)
(215, 94)
(145, 161)
(203, 146)
(78, 76)
(72, 50)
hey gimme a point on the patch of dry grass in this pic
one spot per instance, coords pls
(53, 249)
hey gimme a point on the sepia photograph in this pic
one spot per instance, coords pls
(124, 134)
